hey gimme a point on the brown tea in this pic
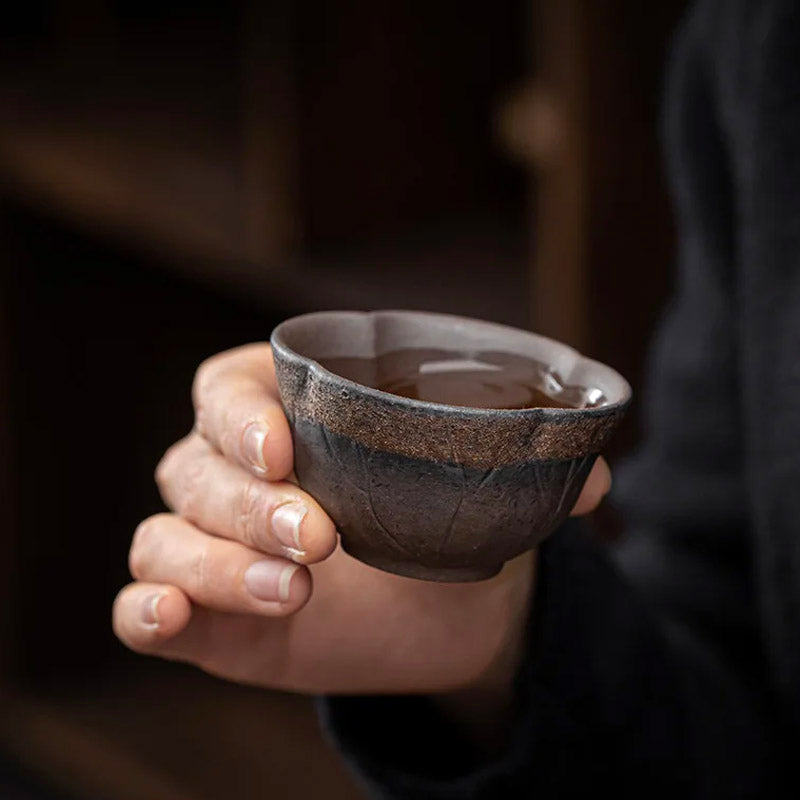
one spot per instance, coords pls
(485, 379)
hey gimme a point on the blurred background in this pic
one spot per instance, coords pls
(176, 178)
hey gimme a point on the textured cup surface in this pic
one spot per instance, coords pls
(428, 490)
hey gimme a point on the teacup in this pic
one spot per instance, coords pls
(427, 490)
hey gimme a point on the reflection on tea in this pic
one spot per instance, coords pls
(483, 379)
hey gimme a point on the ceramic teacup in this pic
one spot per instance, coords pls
(426, 490)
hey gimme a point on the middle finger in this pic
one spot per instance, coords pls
(222, 498)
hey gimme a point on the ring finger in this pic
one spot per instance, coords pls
(216, 573)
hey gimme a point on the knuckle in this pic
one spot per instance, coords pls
(168, 469)
(199, 572)
(201, 418)
(250, 512)
(161, 474)
(202, 377)
(231, 430)
(165, 468)
(206, 376)
(191, 489)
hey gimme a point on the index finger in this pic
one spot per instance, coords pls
(238, 410)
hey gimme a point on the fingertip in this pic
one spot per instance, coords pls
(265, 445)
(303, 529)
(300, 588)
(320, 538)
(276, 587)
(173, 613)
(146, 615)
(238, 410)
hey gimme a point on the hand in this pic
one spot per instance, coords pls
(245, 579)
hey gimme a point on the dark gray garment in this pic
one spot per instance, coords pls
(671, 667)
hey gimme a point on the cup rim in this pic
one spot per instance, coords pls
(278, 342)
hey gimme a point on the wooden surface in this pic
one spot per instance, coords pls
(179, 195)
(177, 138)
(168, 187)
(172, 734)
(8, 495)
(559, 256)
(337, 152)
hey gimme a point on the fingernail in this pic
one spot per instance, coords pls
(270, 580)
(150, 609)
(286, 521)
(253, 438)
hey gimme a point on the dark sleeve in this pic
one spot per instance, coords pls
(646, 672)
(607, 700)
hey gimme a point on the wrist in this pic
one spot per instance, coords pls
(484, 710)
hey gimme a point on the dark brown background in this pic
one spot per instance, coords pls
(176, 179)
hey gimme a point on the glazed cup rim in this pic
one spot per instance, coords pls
(277, 341)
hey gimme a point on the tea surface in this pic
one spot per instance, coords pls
(484, 379)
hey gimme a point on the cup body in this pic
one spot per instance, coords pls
(427, 490)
